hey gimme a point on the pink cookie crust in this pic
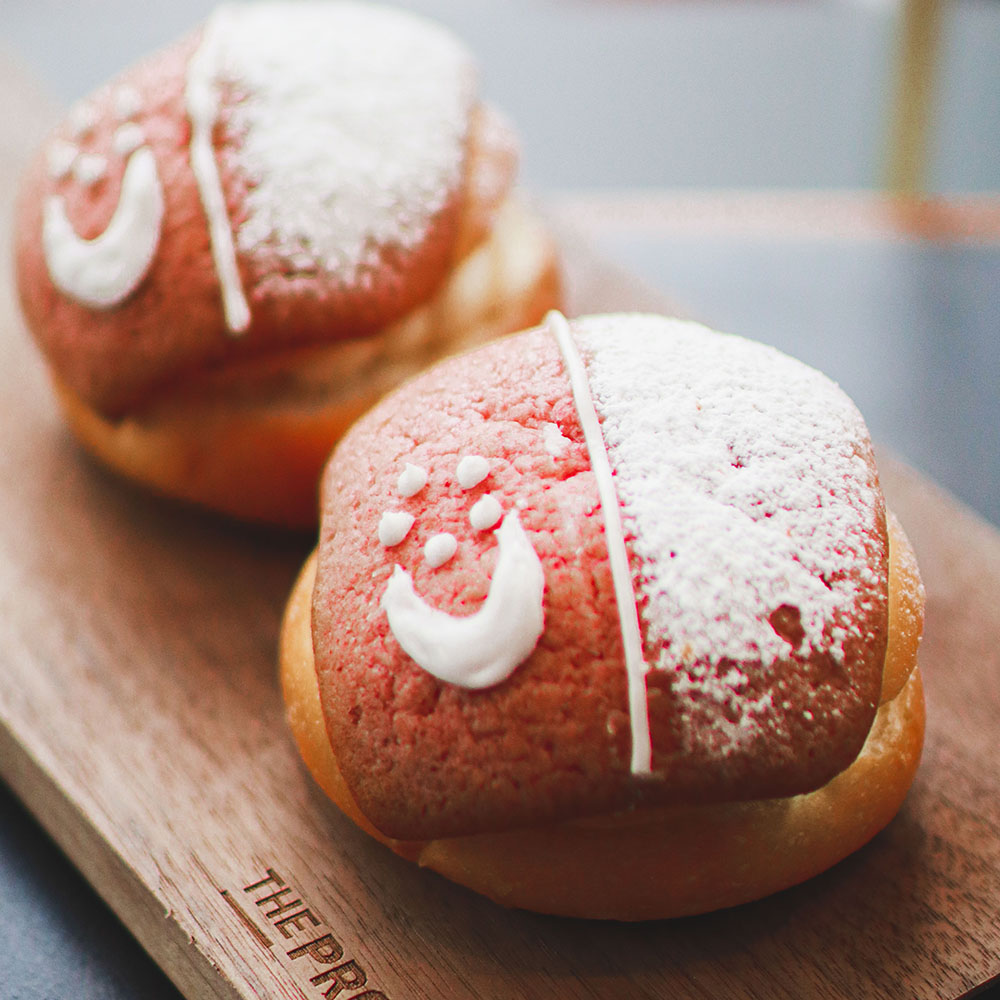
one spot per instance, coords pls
(172, 326)
(427, 759)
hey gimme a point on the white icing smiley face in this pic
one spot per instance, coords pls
(479, 650)
(733, 503)
(104, 271)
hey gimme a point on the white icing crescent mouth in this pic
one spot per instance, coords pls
(105, 270)
(480, 650)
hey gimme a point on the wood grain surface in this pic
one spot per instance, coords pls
(140, 720)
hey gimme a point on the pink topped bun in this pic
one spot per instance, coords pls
(592, 579)
(230, 251)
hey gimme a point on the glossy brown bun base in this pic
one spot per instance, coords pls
(250, 441)
(659, 862)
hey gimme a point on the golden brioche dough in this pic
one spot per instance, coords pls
(251, 440)
(906, 611)
(668, 861)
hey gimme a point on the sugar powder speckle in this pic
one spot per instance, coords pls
(486, 512)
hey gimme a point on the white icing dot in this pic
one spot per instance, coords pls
(59, 157)
(89, 168)
(554, 440)
(471, 471)
(486, 511)
(439, 549)
(411, 480)
(82, 119)
(730, 483)
(807, 715)
(393, 527)
(127, 138)
(128, 102)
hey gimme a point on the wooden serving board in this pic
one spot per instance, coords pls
(140, 720)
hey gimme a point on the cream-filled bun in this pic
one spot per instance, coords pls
(237, 246)
(608, 619)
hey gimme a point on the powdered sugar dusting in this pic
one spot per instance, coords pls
(411, 480)
(352, 121)
(738, 471)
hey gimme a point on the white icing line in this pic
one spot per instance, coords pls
(480, 650)
(103, 271)
(202, 99)
(471, 471)
(486, 512)
(635, 664)
(411, 480)
(554, 440)
(393, 527)
(439, 548)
